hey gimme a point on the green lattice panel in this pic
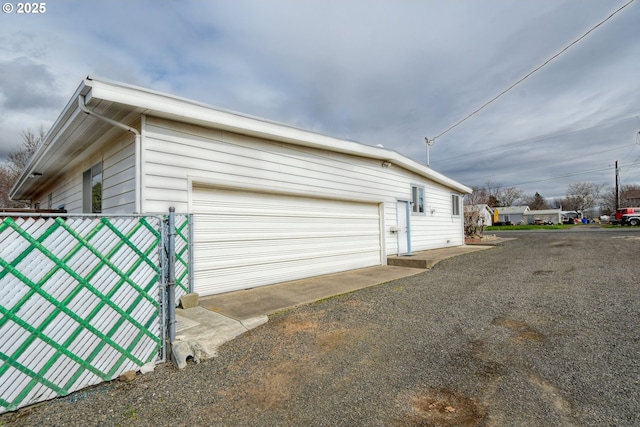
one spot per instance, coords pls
(80, 303)
(182, 255)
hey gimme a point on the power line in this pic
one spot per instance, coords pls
(563, 176)
(544, 163)
(636, 162)
(513, 145)
(530, 73)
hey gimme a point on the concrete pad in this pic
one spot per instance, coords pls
(182, 324)
(266, 300)
(206, 332)
(427, 259)
(491, 240)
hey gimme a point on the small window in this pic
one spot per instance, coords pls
(92, 189)
(417, 199)
(455, 204)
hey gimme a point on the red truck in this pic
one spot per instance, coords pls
(625, 216)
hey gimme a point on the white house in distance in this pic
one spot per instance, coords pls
(270, 202)
(512, 214)
(484, 214)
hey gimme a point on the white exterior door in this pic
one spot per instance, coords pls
(245, 239)
(403, 227)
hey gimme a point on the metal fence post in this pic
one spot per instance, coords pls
(171, 282)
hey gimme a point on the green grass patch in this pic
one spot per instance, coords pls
(530, 227)
(131, 413)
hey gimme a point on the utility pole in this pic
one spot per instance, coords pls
(617, 187)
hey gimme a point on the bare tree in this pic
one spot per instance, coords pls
(479, 195)
(582, 196)
(554, 203)
(6, 181)
(608, 200)
(16, 162)
(473, 226)
(510, 195)
(492, 189)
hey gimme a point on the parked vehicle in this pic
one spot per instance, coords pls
(571, 217)
(616, 217)
(538, 221)
(631, 219)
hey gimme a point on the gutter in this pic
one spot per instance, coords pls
(83, 107)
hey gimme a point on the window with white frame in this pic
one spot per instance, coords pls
(455, 204)
(417, 199)
(92, 189)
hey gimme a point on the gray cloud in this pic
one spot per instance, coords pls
(389, 72)
(26, 85)
(29, 98)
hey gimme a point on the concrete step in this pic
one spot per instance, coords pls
(427, 259)
(412, 261)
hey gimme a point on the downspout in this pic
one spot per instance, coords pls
(83, 107)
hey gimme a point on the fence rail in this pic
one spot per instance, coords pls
(82, 300)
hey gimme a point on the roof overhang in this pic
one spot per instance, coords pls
(75, 132)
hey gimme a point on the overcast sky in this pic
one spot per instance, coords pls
(377, 72)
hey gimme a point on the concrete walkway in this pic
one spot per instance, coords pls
(265, 300)
(220, 318)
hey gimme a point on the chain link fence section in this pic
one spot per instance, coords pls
(81, 300)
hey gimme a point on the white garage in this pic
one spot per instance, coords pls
(246, 239)
(270, 202)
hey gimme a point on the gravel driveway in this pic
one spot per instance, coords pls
(539, 331)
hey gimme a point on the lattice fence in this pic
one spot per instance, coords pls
(81, 302)
(183, 284)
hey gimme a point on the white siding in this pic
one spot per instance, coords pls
(440, 228)
(67, 192)
(119, 177)
(118, 180)
(176, 154)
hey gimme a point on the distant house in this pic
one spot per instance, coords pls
(630, 198)
(512, 214)
(484, 214)
(553, 216)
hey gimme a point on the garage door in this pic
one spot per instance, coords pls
(245, 239)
